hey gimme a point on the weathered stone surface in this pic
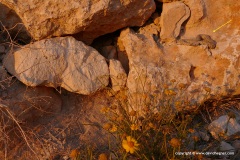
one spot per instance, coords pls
(212, 19)
(224, 146)
(197, 8)
(153, 65)
(89, 18)
(223, 127)
(227, 36)
(117, 74)
(167, 1)
(172, 18)
(143, 60)
(150, 30)
(59, 62)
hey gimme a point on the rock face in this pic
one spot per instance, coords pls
(167, 1)
(197, 8)
(143, 61)
(89, 18)
(117, 74)
(172, 18)
(152, 66)
(59, 62)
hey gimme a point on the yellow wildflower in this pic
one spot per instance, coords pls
(169, 92)
(113, 129)
(107, 126)
(174, 142)
(196, 138)
(165, 86)
(132, 113)
(130, 144)
(151, 125)
(104, 110)
(74, 153)
(191, 130)
(177, 103)
(134, 127)
(102, 156)
(181, 85)
(173, 80)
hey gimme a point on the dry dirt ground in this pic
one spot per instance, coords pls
(71, 121)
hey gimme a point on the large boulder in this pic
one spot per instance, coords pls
(152, 66)
(59, 62)
(89, 18)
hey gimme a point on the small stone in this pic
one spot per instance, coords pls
(89, 18)
(224, 146)
(65, 157)
(223, 127)
(236, 144)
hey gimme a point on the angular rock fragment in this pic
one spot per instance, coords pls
(224, 126)
(117, 74)
(88, 18)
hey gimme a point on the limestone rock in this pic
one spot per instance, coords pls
(223, 127)
(172, 18)
(117, 74)
(167, 1)
(224, 146)
(143, 60)
(197, 8)
(150, 30)
(59, 62)
(88, 18)
(153, 65)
